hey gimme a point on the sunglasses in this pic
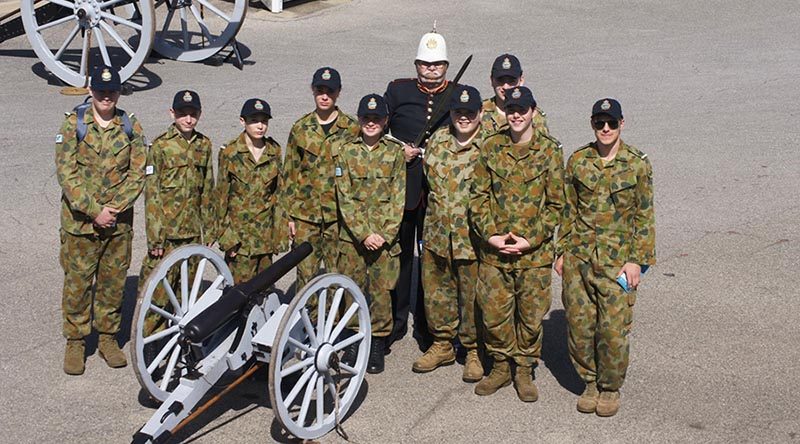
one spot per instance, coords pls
(600, 124)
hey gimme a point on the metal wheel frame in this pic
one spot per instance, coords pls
(208, 42)
(100, 17)
(297, 339)
(179, 304)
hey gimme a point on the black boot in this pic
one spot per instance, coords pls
(376, 354)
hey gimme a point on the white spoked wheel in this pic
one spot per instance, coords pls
(308, 393)
(159, 375)
(88, 33)
(194, 30)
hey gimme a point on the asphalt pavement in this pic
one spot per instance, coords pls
(709, 92)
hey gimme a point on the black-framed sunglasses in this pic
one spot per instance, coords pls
(599, 124)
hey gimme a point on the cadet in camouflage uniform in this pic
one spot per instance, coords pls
(450, 267)
(507, 73)
(309, 194)
(100, 177)
(370, 179)
(608, 230)
(516, 204)
(246, 195)
(178, 190)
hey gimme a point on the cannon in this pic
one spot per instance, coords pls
(209, 328)
(72, 36)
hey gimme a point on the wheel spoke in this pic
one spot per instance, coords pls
(66, 43)
(300, 345)
(343, 322)
(120, 20)
(162, 354)
(301, 418)
(348, 369)
(298, 386)
(320, 401)
(164, 313)
(171, 295)
(201, 22)
(198, 279)
(85, 53)
(337, 299)
(101, 43)
(64, 3)
(351, 340)
(168, 20)
(298, 366)
(184, 30)
(55, 23)
(215, 10)
(185, 286)
(309, 328)
(117, 38)
(322, 300)
(173, 359)
(110, 3)
(161, 334)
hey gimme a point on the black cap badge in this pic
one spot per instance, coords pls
(372, 104)
(605, 106)
(506, 63)
(464, 97)
(259, 106)
(516, 94)
(187, 97)
(106, 75)
(326, 75)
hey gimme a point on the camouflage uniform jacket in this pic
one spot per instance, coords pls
(449, 167)
(178, 187)
(371, 190)
(609, 217)
(310, 192)
(518, 189)
(494, 122)
(106, 169)
(246, 198)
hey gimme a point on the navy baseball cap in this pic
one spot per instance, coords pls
(255, 106)
(607, 106)
(327, 76)
(506, 65)
(186, 99)
(106, 78)
(372, 105)
(465, 97)
(520, 96)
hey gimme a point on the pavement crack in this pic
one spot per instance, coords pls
(441, 401)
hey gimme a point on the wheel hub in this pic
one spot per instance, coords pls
(326, 359)
(88, 12)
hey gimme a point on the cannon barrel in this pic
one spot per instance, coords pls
(235, 298)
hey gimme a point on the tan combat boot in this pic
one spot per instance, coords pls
(587, 403)
(473, 369)
(73, 357)
(109, 350)
(439, 354)
(499, 377)
(523, 382)
(607, 404)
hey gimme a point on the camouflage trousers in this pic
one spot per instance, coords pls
(245, 267)
(450, 288)
(376, 273)
(325, 239)
(104, 262)
(159, 298)
(599, 317)
(513, 302)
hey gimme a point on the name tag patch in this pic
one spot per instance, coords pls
(148, 170)
(338, 171)
(59, 138)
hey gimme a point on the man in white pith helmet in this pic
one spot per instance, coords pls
(411, 105)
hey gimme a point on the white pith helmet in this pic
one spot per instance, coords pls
(432, 47)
